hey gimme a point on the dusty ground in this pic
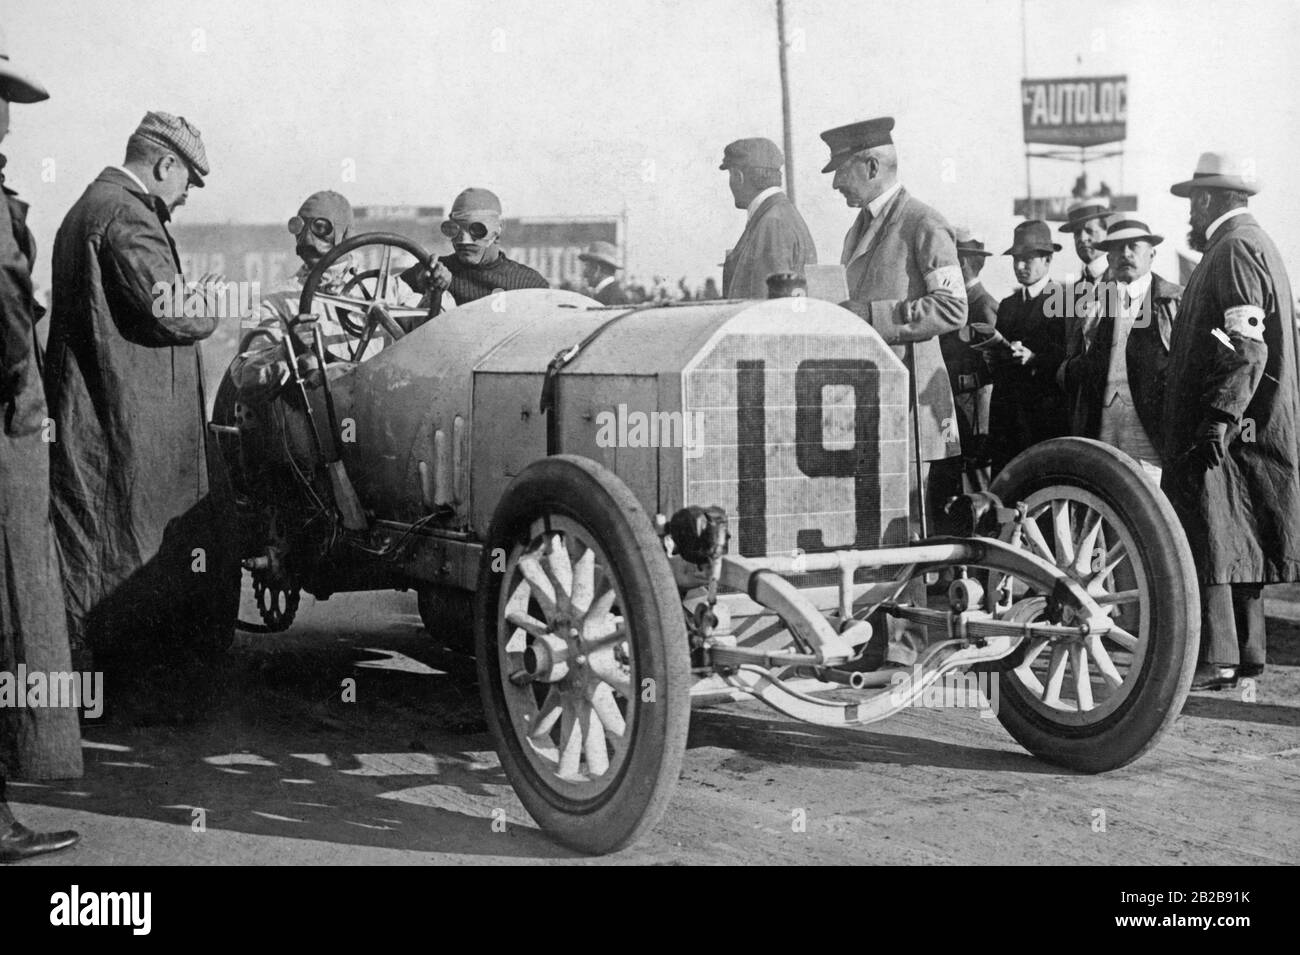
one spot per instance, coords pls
(285, 772)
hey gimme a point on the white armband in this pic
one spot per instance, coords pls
(1246, 321)
(948, 278)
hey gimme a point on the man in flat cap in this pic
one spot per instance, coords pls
(1118, 377)
(1232, 419)
(599, 267)
(138, 515)
(968, 373)
(477, 267)
(1026, 350)
(776, 239)
(36, 742)
(904, 279)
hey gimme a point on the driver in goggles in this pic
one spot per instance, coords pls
(260, 370)
(476, 267)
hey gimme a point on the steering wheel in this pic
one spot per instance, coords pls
(355, 299)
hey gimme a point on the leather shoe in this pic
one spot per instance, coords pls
(1250, 669)
(19, 842)
(1214, 676)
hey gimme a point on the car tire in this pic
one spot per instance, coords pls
(573, 505)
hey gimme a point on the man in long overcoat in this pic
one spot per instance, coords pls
(36, 742)
(775, 239)
(1232, 419)
(146, 547)
(900, 258)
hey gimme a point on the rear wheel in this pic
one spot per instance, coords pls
(582, 654)
(1097, 703)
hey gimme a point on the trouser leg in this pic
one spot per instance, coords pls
(906, 638)
(1219, 625)
(6, 817)
(1248, 610)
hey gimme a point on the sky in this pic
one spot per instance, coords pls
(578, 107)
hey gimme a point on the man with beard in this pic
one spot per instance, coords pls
(775, 239)
(1232, 405)
(261, 370)
(1119, 378)
(141, 526)
(1026, 350)
(36, 742)
(477, 267)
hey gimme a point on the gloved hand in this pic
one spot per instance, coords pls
(1208, 450)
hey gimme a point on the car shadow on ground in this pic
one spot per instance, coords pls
(781, 741)
(271, 740)
(1230, 706)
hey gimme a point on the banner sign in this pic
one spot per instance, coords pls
(1053, 208)
(1075, 111)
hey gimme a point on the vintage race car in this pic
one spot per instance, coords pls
(637, 510)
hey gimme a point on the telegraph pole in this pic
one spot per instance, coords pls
(785, 100)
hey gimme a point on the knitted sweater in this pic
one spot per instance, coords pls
(472, 282)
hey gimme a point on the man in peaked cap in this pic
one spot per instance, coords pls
(1118, 378)
(1029, 345)
(904, 279)
(776, 239)
(1232, 419)
(36, 742)
(477, 267)
(134, 497)
(599, 265)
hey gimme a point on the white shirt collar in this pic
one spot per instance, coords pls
(603, 282)
(1036, 289)
(1213, 226)
(879, 203)
(1137, 289)
(1097, 267)
(759, 199)
(133, 177)
(972, 283)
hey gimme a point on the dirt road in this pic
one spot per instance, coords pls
(266, 763)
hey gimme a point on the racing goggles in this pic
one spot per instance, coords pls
(320, 227)
(453, 229)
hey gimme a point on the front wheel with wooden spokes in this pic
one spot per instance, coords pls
(1097, 702)
(583, 658)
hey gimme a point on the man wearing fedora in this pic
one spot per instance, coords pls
(1116, 378)
(138, 505)
(1232, 419)
(972, 385)
(37, 742)
(599, 265)
(1028, 346)
(1087, 221)
(903, 276)
(776, 239)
